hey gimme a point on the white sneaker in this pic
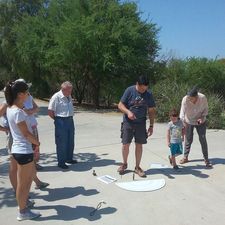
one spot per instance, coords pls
(28, 215)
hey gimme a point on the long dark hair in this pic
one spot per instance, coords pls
(12, 89)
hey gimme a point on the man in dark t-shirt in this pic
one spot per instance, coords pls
(135, 103)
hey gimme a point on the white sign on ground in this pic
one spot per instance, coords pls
(106, 179)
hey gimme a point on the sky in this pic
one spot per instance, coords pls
(188, 28)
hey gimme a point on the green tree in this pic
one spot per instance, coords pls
(101, 41)
(90, 43)
(12, 13)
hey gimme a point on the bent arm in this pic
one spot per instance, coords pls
(51, 113)
(27, 134)
(6, 129)
(32, 111)
(3, 108)
(35, 107)
(125, 110)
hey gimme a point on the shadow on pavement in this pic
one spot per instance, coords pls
(64, 193)
(186, 169)
(67, 213)
(7, 197)
(86, 162)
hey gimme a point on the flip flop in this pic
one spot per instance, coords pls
(184, 160)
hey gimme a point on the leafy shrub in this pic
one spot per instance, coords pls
(168, 94)
(216, 116)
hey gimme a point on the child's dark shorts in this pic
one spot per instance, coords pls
(136, 131)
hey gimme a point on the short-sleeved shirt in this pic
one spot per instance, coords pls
(175, 131)
(28, 104)
(138, 103)
(20, 144)
(4, 121)
(61, 105)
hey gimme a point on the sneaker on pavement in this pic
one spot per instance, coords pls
(28, 215)
(42, 185)
(73, 161)
(63, 166)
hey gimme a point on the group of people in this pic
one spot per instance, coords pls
(17, 114)
(193, 112)
(137, 101)
(19, 122)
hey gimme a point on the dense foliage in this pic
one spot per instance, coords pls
(91, 43)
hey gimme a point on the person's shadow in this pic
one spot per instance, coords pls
(7, 197)
(67, 213)
(171, 173)
(64, 193)
(187, 169)
(86, 162)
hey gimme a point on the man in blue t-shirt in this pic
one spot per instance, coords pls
(135, 103)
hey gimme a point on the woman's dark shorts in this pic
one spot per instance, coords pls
(23, 159)
(136, 131)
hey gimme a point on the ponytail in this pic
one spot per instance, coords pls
(9, 93)
(12, 89)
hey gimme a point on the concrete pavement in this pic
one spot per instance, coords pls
(193, 196)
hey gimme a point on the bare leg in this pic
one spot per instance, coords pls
(173, 158)
(125, 152)
(13, 173)
(138, 154)
(25, 175)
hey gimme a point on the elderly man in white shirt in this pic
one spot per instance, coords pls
(194, 109)
(61, 110)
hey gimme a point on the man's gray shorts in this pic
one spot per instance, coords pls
(136, 131)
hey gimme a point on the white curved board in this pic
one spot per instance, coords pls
(145, 185)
